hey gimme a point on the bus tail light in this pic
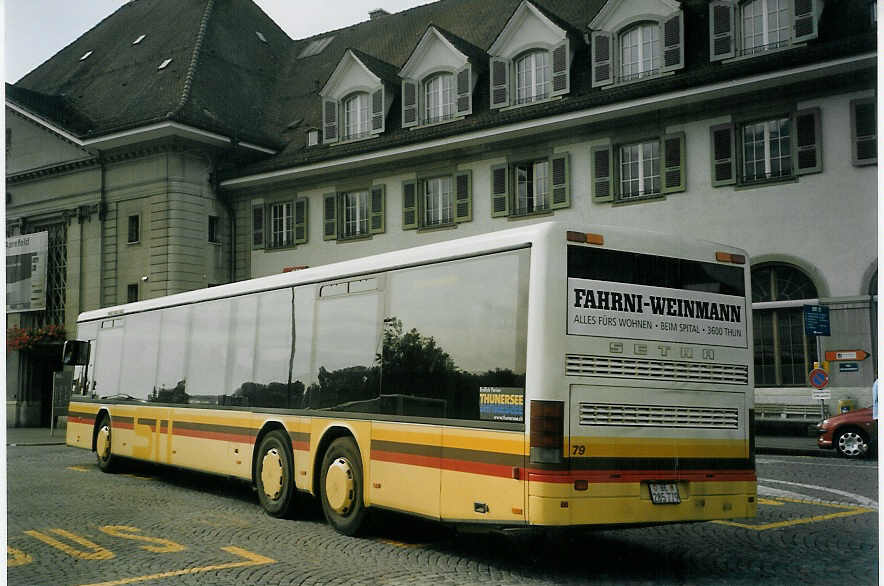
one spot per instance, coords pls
(737, 259)
(547, 431)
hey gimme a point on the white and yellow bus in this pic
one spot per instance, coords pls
(533, 377)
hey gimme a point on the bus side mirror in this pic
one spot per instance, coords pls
(75, 353)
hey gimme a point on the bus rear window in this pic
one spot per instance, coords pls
(657, 271)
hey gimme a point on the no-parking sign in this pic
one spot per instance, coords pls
(818, 378)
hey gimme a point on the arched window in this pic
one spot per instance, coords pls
(532, 77)
(357, 115)
(438, 98)
(640, 50)
(783, 354)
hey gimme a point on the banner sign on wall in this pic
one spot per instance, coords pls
(502, 404)
(26, 272)
(624, 310)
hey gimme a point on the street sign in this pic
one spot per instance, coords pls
(848, 367)
(818, 378)
(816, 320)
(833, 355)
(821, 395)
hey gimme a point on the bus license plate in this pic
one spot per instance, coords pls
(664, 493)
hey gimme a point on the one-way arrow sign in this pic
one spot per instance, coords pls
(833, 355)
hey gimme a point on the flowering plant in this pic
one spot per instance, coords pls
(27, 338)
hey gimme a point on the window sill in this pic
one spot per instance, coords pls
(514, 217)
(436, 123)
(355, 139)
(356, 238)
(639, 199)
(528, 104)
(437, 228)
(280, 247)
(640, 79)
(761, 53)
(214, 243)
(743, 185)
(133, 242)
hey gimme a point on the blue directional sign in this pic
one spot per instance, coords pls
(816, 320)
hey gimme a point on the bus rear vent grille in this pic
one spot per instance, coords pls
(659, 416)
(662, 370)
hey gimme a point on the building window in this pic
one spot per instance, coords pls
(214, 235)
(765, 25)
(639, 170)
(640, 51)
(354, 214)
(257, 224)
(281, 224)
(357, 116)
(312, 137)
(532, 183)
(863, 130)
(132, 293)
(438, 202)
(783, 354)
(134, 228)
(767, 150)
(56, 273)
(532, 77)
(529, 187)
(439, 98)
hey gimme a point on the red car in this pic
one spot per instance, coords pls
(852, 434)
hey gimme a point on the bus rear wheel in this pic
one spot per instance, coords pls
(106, 460)
(274, 474)
(341, 488)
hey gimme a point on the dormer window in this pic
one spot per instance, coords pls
(640, 51)
(758, 26)
(530, 59)
(356, 116)
(633, 47)
(532, 77)
(356, 98)
(438, 98)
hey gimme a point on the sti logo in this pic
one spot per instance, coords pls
(664, 350)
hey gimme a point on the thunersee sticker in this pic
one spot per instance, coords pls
(623, 310)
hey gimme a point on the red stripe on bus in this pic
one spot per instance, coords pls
(643, 475)
(478, 468)
(301, 446)
(411, 459)
(123, 425)
(85, 420)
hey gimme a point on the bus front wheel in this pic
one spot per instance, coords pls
(274, 474)
(341, 487)
(106, 460)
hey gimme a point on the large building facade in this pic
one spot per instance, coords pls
(751, 123)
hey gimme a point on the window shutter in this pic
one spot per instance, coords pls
(808, 141)
(561, 180)
(602, 63)
(602, 174)
(674, 162)
(463, 196)
(863, 130)
(376, 221)
(500, 191)
(409, 204)
(258, 223)
(561, 68)
(377, 111)
(409, 103)
(500, 83)
(330, 121)
(301, 221)
(804, 22)
(673, 43)
(465, 91)
(330, 216)
(721, 31)
(723, 160)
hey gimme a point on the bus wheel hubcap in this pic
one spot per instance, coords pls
(339, 486)
(103, 441)
(271, 473)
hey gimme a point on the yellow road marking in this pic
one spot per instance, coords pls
(99, 552)
(19, 558)
(126, 532)
(252, 559)
(78, 468)
(770, 502)
(400, 543)
(847, 512)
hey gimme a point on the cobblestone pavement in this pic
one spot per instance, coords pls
(68, 523)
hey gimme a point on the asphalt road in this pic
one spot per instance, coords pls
(68, 523)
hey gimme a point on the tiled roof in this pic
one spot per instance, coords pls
(224, 78)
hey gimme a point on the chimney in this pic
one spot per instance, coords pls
(377, 13)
